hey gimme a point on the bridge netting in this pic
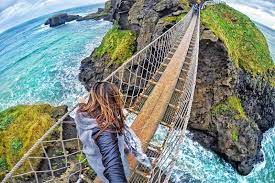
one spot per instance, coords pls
(57, 156)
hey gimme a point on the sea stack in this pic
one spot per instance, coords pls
(61, 19)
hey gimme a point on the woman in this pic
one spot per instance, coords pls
(105, 137)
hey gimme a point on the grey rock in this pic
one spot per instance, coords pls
(218, 79)
(258, 98)
(59, 112)
(61, 19)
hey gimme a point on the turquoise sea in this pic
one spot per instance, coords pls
(40, 64)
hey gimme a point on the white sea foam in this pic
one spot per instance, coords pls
(43, 28)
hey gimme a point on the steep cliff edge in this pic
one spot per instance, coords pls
(234, 100)
(143, 20)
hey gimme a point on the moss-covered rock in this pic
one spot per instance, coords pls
(20, 128)
(246, 45)
(185, 4)
(118, 45)
(173, 19)
(238, 135)
(231, 106)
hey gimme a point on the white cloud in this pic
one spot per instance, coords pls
(15, 12)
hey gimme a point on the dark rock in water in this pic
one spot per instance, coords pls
(100, 10)
(61, 19)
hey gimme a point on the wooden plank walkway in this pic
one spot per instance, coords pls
(153, 110)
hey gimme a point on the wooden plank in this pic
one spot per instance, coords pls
(155, 106)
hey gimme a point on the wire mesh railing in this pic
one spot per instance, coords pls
(57, 156)
(165, 163)
(133, 76)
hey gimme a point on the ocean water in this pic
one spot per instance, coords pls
(40, 64)
(197, 165)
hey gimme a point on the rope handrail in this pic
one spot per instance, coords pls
(131, 78)
(166, 162)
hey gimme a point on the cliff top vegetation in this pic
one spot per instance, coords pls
(246, 45)
(20, 128)
(117, 44)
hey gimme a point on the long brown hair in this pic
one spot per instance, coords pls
(105, 104)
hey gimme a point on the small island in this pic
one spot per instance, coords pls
(61, 19)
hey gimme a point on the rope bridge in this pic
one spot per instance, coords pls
(158, 85)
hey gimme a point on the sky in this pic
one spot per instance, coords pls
(15, 12)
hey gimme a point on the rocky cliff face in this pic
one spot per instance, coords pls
(145, 18)
(61, 19)
(235, 137)
(231, 108)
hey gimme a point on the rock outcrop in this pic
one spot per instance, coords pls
(236, 138)
(61, 19)
(144, 18)
(102, 13)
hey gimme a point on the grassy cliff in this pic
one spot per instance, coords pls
(246, 45)
(118, 45)
(20, 127)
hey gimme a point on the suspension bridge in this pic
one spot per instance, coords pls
(157, 84)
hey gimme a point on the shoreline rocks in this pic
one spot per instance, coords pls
(61, 19)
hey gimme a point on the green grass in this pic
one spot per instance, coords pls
(16, 145)
(231, 106)
(173, 19)
(5, 122)
(118, 45)
(246, 45)
(3, 164)
(82, 159)
(185, 4)
(234, 134)
(21, 126)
